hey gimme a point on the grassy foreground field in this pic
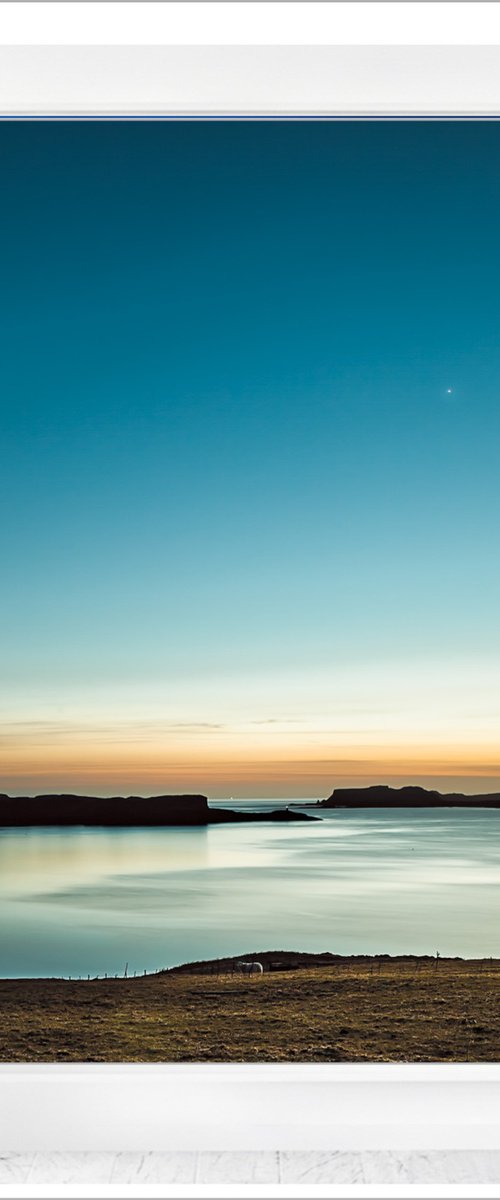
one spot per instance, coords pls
(354, 1010)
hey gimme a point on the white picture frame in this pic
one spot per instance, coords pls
(250, 1107)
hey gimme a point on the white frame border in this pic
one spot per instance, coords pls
(249, 1107)
(235, 81)
(243, 22)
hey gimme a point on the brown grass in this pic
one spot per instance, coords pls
(352, 1011)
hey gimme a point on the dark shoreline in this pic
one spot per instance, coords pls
(68, 810)
(272, 961)
(383, 796)
(129, 812)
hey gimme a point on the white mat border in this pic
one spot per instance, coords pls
(163, 1107)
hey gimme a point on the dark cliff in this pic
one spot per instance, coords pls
(127, 811)
(68, 809)
(382, 796)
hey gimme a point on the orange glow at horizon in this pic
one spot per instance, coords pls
(216, 762)
(429, 723)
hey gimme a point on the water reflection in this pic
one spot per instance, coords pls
(87, 901)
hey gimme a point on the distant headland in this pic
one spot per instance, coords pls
(128, 811)
(382, 796)
(68, 809)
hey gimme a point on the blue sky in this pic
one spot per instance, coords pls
(240, 500)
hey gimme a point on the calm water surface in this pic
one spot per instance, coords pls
(82, 901)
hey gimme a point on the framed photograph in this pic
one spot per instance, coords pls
(250, 774)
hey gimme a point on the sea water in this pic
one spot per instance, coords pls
(93, 901)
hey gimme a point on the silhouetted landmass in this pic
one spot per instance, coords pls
(127, 811)
(382, 796)
(67, 809)
(218, 816)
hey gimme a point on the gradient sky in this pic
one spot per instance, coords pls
(250, 537)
